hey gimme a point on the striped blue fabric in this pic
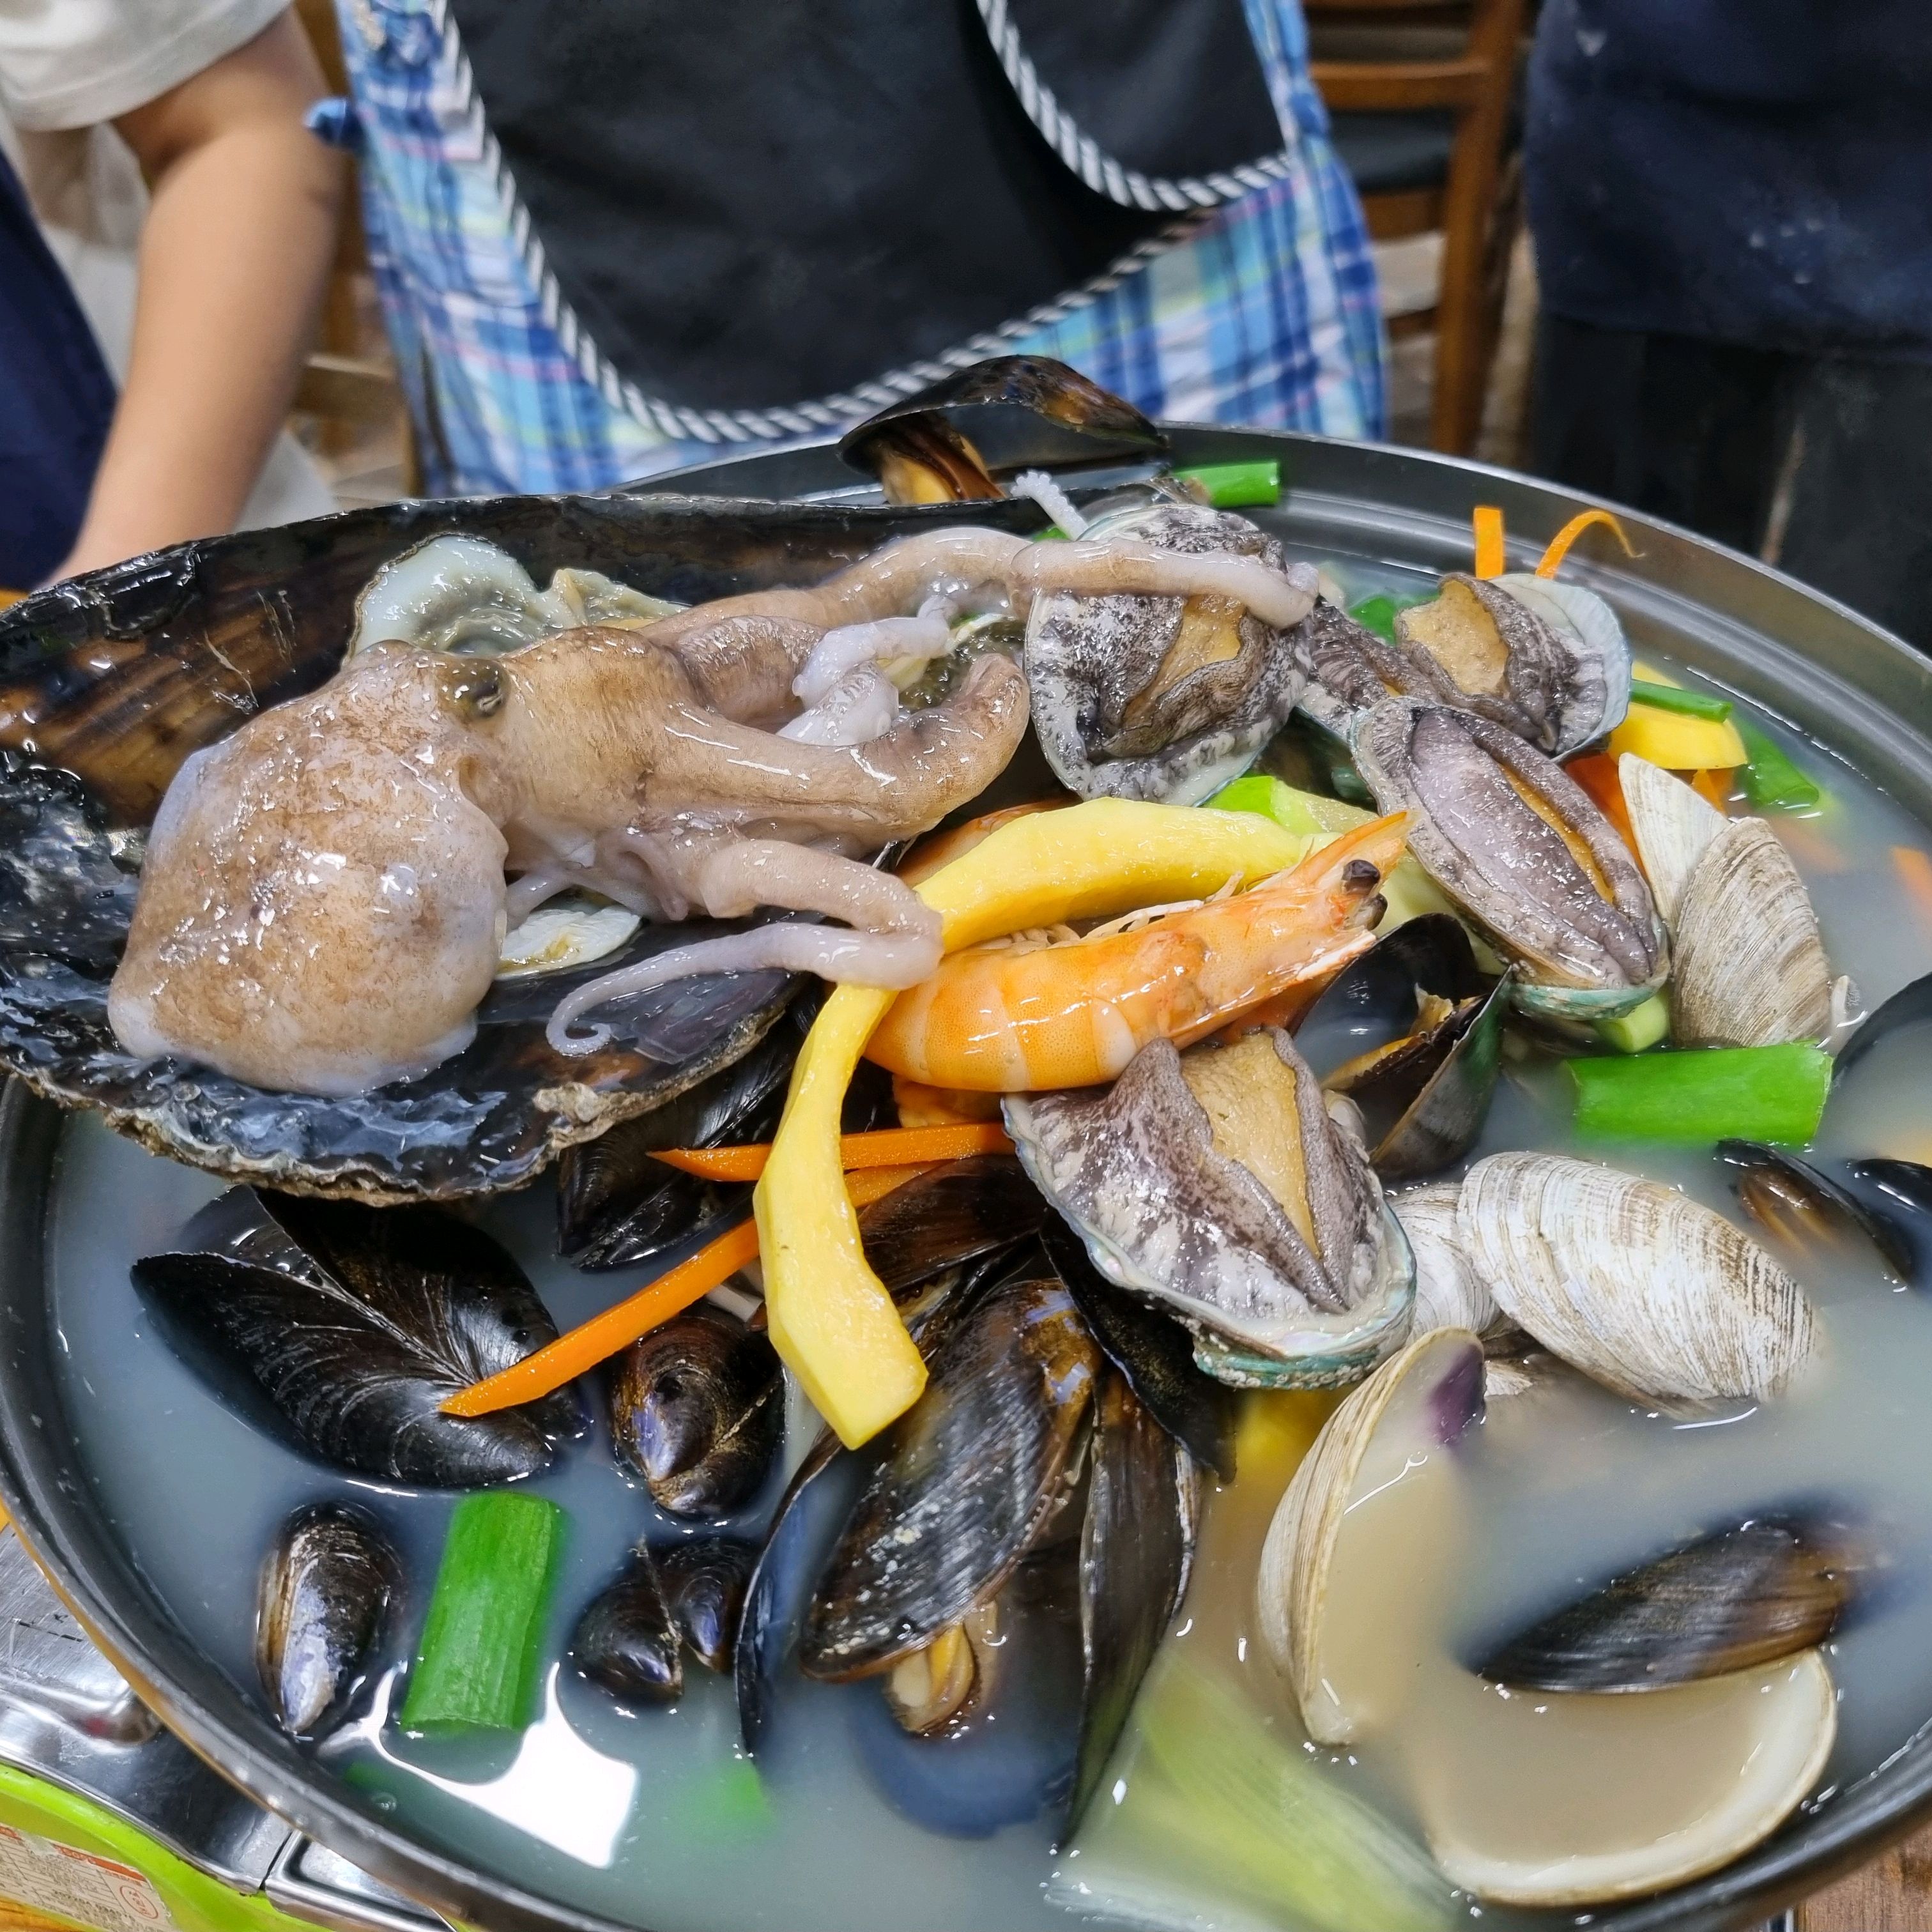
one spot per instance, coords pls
(1263, 311)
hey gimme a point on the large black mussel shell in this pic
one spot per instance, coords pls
(326, 1593)
(627, 1641)
(1907, 1007)
(1154, 1353)
(1744, 1597)
(1808, 1213)
(1426, 1026)
(1008, 413)
(109, 681)
(704, 1578)
(354, 1324)
(1136, 1551)
(948, 1216)
(973, 1471)
(698, 1409)
(1905, 1188)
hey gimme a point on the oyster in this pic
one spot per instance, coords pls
(1423, 1091)
(948, 442)
(352, 1325)
(1634, 1283)
(1750, 967)
(465, 594)
(1742, 1598)
(119, 676)
(1160, 697)
(1219, 1184)
(1518, 845)
(325, 1597)
(698, 1409)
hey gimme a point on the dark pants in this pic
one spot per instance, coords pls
(1821, 465)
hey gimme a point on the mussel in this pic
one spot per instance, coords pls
(1159, 698)
(627, 1641)
(1636, 1285)
(1751, 1594)
(1423, 1090)
(703, 1579)
(1219, 1183)
(324, 1599)
(1519, 846)
(1809, 1214)
(698, 1409)
(352, 1325)
(957, 1213)
(948, 442)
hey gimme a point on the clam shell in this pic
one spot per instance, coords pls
(1124, 706)
(1751, 967)
(1672, 823)
(1522, 850)
(1449, 1292)
(1435, 1387)
(1638, 1286)
(1587, 625)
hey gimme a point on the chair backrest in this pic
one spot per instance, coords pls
(1396, 56)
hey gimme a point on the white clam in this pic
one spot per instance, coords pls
(1449, 1291)
(1672, 824)
(1750, 968)
(1640, 1287)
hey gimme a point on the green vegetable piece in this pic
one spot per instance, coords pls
(1643, 1027)
(1705, 1094)
(1377, 614)
(1053, 533)
(1301, 811)
(477, 1666)
(731, 1803)
(1672, 697)
(1770, 779)
(1237, 486)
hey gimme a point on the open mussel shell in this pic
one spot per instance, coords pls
(111, 680)
(952, 1214)
(1746, 1596)
(1749, 966)
(627, 1641)
(325, 1597)
(1219, 1185)
(1159, 698)
(698, 1409)
(975, 1469)
(1518, 846)
(1908, 1007)
(1136, 1553)
(1905, 1187)
(949, 440)
(1518, 656)
(1153, 1353)
(1809, 1214)
(1423, 1089)
(1642, 1288)
(1341, 1631)
(349, 1326)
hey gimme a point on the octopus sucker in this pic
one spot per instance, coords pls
(326, 892)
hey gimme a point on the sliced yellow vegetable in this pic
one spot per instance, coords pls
(830, 1317)
(1677, 742)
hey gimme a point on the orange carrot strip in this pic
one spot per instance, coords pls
(1597, 773)
(889, 1147)
(1715, 786)
(590, 1343)
(1491, 560)
(1558, 546)
(1916, 869)
(875, 1183)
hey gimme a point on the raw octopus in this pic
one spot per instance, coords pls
(324, 896)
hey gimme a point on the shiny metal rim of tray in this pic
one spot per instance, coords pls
(1807, 660)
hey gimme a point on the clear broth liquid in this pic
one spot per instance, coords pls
(653, 1821)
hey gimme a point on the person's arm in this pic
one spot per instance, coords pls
(234, 256)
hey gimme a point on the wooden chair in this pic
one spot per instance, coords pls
(1421, 95)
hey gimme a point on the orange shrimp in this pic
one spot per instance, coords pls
(1015, 1019)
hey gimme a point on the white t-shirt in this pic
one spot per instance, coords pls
(68, 67)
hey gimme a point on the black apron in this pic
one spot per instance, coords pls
(755, 207)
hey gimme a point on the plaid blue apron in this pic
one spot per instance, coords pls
(1263, 310)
